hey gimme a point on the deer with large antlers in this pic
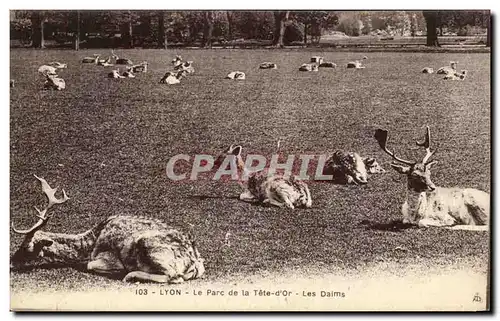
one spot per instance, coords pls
(429, 205)
(131, 247)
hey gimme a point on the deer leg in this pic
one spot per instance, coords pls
(274, 202)
(106, 263)
(425, 222)
(247, 196)
(140, 276)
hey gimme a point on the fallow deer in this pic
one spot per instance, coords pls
(91, 60)
(268, 65)
(328, 64)
(142, 67)
(428, 205)
(47, 70)
(187, 66)
(448, 69)
(54, 82)
(351, 168)
(238, 75)
(355, 64)
(428, 70)
(309, 67)
(130, 247)
(120, 61)
(263, 188)
(172, 78)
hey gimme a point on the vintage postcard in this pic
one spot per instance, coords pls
(256, 160)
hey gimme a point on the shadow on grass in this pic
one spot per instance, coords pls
(394, 226)
(77, 267)
(205, 197)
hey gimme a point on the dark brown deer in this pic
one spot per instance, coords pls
(135, 248)
(428, 205)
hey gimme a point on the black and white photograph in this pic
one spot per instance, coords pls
(250, 160)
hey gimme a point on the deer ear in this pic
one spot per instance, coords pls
(428, 165)
(369, 160)
(402, 169)
(236, 151)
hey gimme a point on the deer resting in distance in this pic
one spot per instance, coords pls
(428, 205)
(135, 248)
(275, 190)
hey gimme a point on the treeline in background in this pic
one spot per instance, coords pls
(162, 29)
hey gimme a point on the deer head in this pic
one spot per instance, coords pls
(233, 151)
(418, 173)
(37, 246)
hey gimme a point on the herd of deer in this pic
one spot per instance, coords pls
(147, 250)
(140, 249)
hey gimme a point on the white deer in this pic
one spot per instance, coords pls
(428, 205)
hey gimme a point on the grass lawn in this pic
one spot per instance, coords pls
(107, 142)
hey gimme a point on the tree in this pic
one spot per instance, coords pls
(77, 32)
(162, 37)
(37, 25)
(208, 29)
(431, 22)
(280, 18)
(314, 22)
(229, 16)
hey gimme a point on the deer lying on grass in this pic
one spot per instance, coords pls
(317, 60)
(135, 248)
(456, 75)
(120, 61)
(309, 67)
(238, 75)
(115, 74)
(187, 66)
(47, 70)
(104, 62)
(177, 61)
(128, 73)
(328, 64)
(355, 64)
(448, 69)
(54, 82)
(261, 187)
(351, 168)
(91, 60)
(268, 65)
(142, 67)
(428, 70)
(172, 78)
(428, 205)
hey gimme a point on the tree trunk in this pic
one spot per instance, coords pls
(230, 25)
(77, 33)
(305, 34)
(280, 17)
(130, 31)
(162, 37)
(431, 22)
(208, 30)
(37, 30)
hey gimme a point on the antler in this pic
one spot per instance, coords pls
(381, 137)
(43, 215)
(426, 143)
